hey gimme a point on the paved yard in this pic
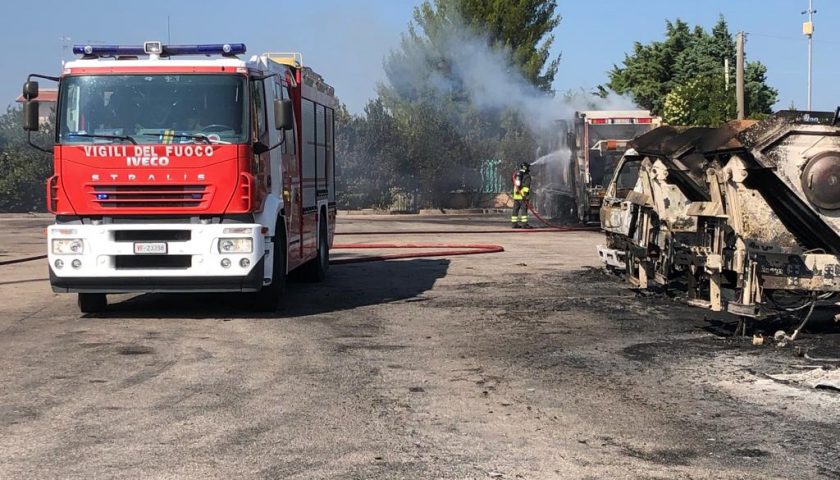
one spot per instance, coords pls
(531, 363)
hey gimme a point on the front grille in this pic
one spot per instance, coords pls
(136, 262)
(152, 235)
(150, 196)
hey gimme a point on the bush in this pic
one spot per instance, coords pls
(24, 169)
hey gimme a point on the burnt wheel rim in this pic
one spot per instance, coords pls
(821, 180)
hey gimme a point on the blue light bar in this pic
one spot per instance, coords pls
(225, 49)
(206, 49)
(108, 50)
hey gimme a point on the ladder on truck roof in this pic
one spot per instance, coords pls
(292, 59)
(295, 60)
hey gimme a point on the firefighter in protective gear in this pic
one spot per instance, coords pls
(521, 192)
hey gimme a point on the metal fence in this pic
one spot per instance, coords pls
(492, 181)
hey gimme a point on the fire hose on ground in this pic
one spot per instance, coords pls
(451, 249)
(428, 249)
(21, 260)
(456, 249)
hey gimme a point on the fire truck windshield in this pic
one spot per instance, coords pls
(602, 161)
(149, 109)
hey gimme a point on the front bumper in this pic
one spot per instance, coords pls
(192, 262)
(251, 282)
(611, 257)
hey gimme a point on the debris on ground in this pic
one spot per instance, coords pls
(819, 378)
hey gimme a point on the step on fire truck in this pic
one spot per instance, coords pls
(175, 172)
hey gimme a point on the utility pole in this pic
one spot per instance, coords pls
(739, 75)
(726, 73)
(808, 31)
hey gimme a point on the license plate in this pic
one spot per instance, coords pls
(150, 248)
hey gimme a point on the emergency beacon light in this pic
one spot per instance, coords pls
(157, 48)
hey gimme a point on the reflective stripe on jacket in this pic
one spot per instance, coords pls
(521, 185)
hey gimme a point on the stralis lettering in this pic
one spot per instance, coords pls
(150, 177)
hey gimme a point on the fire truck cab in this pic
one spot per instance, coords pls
(184, 168)
(600, 139)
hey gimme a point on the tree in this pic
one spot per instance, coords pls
(701, 101)
(449, 118)
(25, 170)
(522, 26)
(682, 77)
(758, 97)
(366, 156)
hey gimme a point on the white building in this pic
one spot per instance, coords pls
(47, 98)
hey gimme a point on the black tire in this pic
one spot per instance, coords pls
(316, 269)
(268, 299)
(92, 302)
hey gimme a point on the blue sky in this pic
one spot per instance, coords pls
(347, 40)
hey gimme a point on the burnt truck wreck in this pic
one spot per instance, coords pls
(745, 217)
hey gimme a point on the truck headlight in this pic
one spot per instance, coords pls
(68, 246)
(236, 245)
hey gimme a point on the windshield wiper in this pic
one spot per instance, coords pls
(102, 135)
(194, 136)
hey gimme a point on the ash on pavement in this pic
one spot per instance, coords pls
(532, 363)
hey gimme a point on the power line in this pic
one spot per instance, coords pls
(784, 37)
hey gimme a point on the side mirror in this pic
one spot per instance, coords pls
(260, 148)
(31, 122)
(283, 116)
(30, 90)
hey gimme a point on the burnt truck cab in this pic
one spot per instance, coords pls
(645, 204)
(617, 214)
(744, 216)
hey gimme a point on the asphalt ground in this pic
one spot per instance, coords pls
(532, 363)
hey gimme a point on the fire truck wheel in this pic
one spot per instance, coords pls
(92, 302)
(268, 299)
(316, 269)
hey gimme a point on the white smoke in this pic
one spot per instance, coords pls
(491, 80)
(468, 64)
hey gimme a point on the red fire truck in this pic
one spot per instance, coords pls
(570, 176)
(600, 139)
(183, 168)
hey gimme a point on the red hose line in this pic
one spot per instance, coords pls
(555, 229)
(459, 249)
(550, 228)
(549, 225)
(379, 246)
